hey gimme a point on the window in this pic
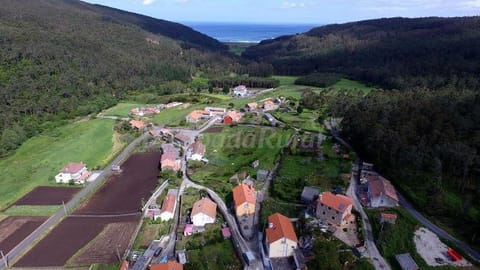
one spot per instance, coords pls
(323, 213)
(333, 217)
(329, 208)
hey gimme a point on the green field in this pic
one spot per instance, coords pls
(286, 80)
(234, 149)
(32, 210)
(307, 120)
(174, 116)
(40, 158)
(121, 109)
(350, 84)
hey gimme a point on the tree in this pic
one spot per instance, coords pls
(226, 90)
(299, 109)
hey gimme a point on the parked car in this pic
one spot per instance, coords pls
(158, 251)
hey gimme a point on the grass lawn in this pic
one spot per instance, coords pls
(40, 158)
(297, 171)
(32, 210)
(350, 84)
(307, 120)
(286, 80)
(121, 109)
(218, 96)
(234, 149)
(174, 116)
(398, 238)
(271, 206)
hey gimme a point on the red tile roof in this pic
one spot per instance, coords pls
(337, 202)
(379, 185)
(198, 148)
(236, 116)
(171, 265)
(243, 193)
(168, 204)
(198, 114)
(206, 206)
(137, 124)
(388, 216)
(279, 226)
(73, 167)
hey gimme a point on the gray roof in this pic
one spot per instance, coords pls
(406, 262)
(173, 191)
(309, 193)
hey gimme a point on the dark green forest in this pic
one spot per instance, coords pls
(394, 53)
(62, 58)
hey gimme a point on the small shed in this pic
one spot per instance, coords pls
(309, 194)
(255, 164)
(406, 262)
(262, 175)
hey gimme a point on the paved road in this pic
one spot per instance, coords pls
(438, 231)
(378, 261)
(71, 205)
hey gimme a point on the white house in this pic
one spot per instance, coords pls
(198, 150)
(280, 237)
(76, 172)
(240, 91)
(168, 206)
(204, 211)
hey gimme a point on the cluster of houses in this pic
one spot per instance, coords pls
(75, 172)
(154, 109)
(229, 117)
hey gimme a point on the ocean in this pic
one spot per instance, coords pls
(238, 32)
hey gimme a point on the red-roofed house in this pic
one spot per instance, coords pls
(381, 192)
(335, 209)
(137, 124)
(244, 198)
(197, 115)
(170, 265)
(168, 206)
(76, 172)
(252, 106)
(204, 211)
(269, 105)
(232, 117)
(280, 237)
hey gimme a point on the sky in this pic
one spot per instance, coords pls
(292, 11)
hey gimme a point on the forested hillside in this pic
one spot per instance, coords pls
(65, 58)
(392, 53)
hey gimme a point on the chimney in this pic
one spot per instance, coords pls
(270, 225)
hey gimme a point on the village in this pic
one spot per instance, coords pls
(203, 198)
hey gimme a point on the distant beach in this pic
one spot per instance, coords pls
(248, 33)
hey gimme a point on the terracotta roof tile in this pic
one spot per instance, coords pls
(379, 185)
(205, 206)
(137, 124)
(243, 193)
(168, 204)
(73, 167)
(337, 202)
(198, 148)
(170, 265)
(280, 226)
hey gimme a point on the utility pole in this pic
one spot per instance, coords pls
(4, 259)
(118, 254)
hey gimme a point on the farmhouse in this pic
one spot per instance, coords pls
(142, 111)
(381, 192)
(168, 206)
(244, 198)
(240, 91)
(137, 124)
(269, 105)
(232, 117)
(76, 172)
(197, 115)
(204, 211)
(198, 151)
(251, 107)
(280, 240)
(334, 209)
(183, 139)
(216, 111)
(170, 265)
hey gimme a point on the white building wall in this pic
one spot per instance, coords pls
(201, 219)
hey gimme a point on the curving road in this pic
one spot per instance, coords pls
(86, 192)
(378, 261)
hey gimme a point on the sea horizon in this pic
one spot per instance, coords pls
(248, 32)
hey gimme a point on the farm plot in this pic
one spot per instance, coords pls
(66, 239)
(46, 195)
(103, 248)
(123, 193)
(14, 229)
